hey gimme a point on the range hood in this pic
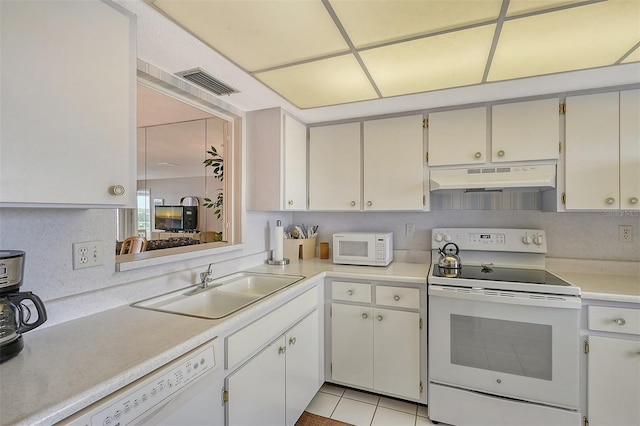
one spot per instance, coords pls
(522, 177)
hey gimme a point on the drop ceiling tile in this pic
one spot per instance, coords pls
(633, 57)
(329, 81)
(259, 34)
(373, 22)
(519, 7)
(448, 60)
(572, 39)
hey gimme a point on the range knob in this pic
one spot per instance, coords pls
(526, 239)
(448, 238)
(437, 237)
(538, 240)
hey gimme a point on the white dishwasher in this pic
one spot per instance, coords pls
(186, 391)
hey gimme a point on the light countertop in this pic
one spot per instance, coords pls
(66, 367)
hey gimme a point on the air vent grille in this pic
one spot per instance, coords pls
(207, 82)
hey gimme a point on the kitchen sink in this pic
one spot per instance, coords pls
(223, 297)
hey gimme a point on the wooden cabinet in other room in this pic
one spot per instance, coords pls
(377, 346)
(379, 169)
(602, 159)
(613, 374)
(68, 82)
(276, 160)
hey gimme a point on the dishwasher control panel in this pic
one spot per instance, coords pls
(127, 405)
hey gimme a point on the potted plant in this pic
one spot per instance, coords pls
(217, 164)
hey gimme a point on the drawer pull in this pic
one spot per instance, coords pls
(380, 318)
(620, 321)
(292, 341)
(365, 316)
(350, 292)
(396, 297)
(282, 350)
(610, 200)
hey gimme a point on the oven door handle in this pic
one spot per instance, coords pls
(505, 297)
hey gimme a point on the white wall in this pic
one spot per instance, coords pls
(46, 235)
(569, 235)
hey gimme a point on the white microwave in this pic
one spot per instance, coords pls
(363, 248)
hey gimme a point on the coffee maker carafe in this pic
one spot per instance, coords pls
(15, 314)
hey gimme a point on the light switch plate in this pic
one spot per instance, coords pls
(88, 254)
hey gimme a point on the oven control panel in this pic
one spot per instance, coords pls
(491, 239)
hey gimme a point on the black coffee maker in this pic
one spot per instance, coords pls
(15, 310)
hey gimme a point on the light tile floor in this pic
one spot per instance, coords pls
(366, 409)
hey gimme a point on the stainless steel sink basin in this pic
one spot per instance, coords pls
(223, 297)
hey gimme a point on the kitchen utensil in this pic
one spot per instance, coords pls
(449, 260)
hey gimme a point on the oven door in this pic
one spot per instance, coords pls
(512, 344)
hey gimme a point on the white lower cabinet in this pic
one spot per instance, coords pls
(613, 366)
(275, 386)
(377, 348)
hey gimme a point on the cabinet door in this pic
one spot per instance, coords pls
(525, 131)
(303, 366)
(352, 345)
(613, 386)
(295, 164)
(68, 103)
(592, 152)
(393, 165)
(630, 150)
(396, 354)
(334, 167)
(257, 389)
(458, 137)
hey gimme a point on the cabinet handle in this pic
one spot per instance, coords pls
(379, 317)
(292, 341)
(365, 315)
(396, 297)
(369, 203)
(281, 350)
(501, 153)
(478, 154)
(353, 203)
(350, 292)
(633, 200)
(290, 202)
(117, 190)
(620, 321)
(610, 200)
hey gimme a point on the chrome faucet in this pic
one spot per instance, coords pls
(205, 279)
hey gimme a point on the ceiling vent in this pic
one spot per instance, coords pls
(199, 77)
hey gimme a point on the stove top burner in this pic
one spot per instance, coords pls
(510, 275)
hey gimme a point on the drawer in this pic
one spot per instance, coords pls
(400, 297)
(615, 320)
(247, 340)
(352, 292)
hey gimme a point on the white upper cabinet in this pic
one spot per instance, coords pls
(334, 167)
(458, 137)
(68, 82)
(392, 153)
(630, 149)
(525, 131)
(276, 160)
(393, 164)
(602, 160)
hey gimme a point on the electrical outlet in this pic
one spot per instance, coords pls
(410, 230)
(87, 254)
(625, 233)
